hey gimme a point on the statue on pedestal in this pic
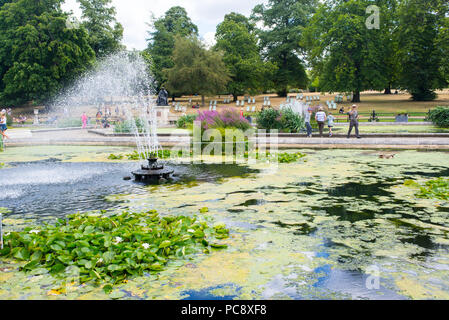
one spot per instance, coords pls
(162, 99)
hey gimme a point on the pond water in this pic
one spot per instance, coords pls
(315, 229)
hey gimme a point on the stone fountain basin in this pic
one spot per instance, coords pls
(153, 173)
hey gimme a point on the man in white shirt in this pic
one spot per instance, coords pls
(320, 118)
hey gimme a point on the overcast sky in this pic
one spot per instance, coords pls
(206, 14)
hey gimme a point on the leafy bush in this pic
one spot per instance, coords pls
(269, 119)
(9, 120)
(127, 126)
(440, 117)
(291, 121)
(186, 120)
(110, 249)
(285, 121)
(70, 123)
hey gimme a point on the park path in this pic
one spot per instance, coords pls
(23, 137)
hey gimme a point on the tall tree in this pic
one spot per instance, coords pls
(161, 40)
(390, 46)
(39, 54)
(105, 33)
(443, 42)
(236, 39)
(420, 28)
(280, 39)
(196, 70)
(347, 56)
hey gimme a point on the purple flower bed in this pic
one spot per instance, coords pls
(226, 118)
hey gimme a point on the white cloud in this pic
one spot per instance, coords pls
(209, 39)
(135, 14)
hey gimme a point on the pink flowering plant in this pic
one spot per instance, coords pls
(226, 118)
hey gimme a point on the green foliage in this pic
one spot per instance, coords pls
(280, 39)
(346, 56)
(440, 117)
(99, 16)
(284, 157)
(285, 121)
(161, 44)
(128, 126)
(443, 43)
(111, 249)
(196, 70)
(291, 121)
(290, 157)
(3, 2)
(116, 157)
(421, 54)
(70, 123)
(161, 154)
(432, 189)
(224, 119)
(236, 38)
(39, 53)
(186, 120)
(269, 119)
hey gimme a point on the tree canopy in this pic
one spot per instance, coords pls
(196, 70)
(280, 39)
(105, 33)
(345, 54)
(236, 39)
(161, 40)
(421, 51)
(39, 53)
(283, 45)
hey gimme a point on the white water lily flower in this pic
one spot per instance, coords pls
(118, 240)
(145, 245)
(34, 231)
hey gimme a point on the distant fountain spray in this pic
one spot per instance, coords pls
(120, 81)
(296, 106)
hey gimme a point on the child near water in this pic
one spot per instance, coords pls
(330, 123)
(3, 126)
(84, 120)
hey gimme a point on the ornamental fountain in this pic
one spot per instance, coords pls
(121, 81)
(153, 172)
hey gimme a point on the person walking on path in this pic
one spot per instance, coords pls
(330, 123)
(354, 122)
(84, 120)
(307, 118)
(320, 118)
(3, 126)
(98, 119)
